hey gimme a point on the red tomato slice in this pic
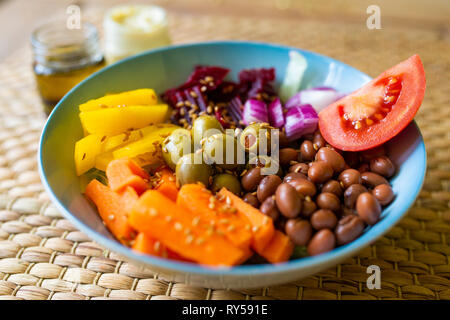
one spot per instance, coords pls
(376, 112)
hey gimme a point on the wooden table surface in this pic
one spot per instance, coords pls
(20, 17)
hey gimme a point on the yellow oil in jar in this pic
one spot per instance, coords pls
(52, 86)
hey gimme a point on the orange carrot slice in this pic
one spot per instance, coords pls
(166, 183)
(182, 232)
(262, 225)
(279, 249)
(122, 173)
(113, 208)
(148, 245)
(199, 200)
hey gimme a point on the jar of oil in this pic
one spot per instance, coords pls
(62, 58)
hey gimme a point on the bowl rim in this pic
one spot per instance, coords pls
(337, 254)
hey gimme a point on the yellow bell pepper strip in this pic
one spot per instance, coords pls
(86, 151)
(131, 136)
(128, 98)
(112, 121)
(102, 160)
(149, 144)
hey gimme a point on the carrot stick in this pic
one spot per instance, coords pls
(113, 208)
(122, 173)
(199, 200)
(166, 183)
(279, 249)
(262, 225)
(182, 231)
(148, 245)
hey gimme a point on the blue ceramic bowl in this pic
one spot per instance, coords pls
(167, 67)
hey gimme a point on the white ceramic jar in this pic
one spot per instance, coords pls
(131, 29)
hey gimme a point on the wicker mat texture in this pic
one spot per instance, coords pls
(42, 256)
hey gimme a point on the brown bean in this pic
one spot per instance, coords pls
(269, 208)
(307, 151)
(371, 180)
(293, 176)
(349, 177)
(328, 200)
(383, 166)
(251, 179)
(251, 199)
(333, 186)
(303, 187)
(288, 201)
(308, 208)
(320, 172)
(352, 193)
(323, 241)
(287, 155)
(346, 211)
(383, 193)
(351, 158)
(364, 167)
(318, 141)
(299, 231)
(333, 158)
(267, 187)
(368, 208)
(323, 218)
(348, 229)
(284, 142)
(367, 155)
(299, 167)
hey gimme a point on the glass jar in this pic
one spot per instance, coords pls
(62, 58)
(131, 29)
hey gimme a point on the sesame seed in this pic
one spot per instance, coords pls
(292, 162)
(255, 228)
(308, 198)
(195, 221)
(189, 239)
(224, 221)
(228, 201)
(199, 240)
(157, 246)
(153, 212)
(231, 228)
(111, 217)
(178, 226)
(169, 218)
(211, 205)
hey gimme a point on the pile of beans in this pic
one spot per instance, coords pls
(325, 197)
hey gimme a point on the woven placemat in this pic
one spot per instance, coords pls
(42, 256)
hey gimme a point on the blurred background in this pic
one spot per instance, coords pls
(19, 17)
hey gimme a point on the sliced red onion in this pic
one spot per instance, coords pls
(276, 116)
(300, 120)
(319, 98)
(254, 111)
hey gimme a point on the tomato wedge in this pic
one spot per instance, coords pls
(376, 112)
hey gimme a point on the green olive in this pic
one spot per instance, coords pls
(205, 126)
(175, 146)
(191, 169)
(229, 181)
(256, 138)
(217, 148)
